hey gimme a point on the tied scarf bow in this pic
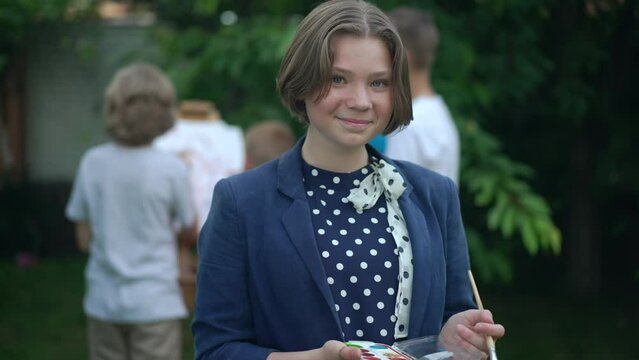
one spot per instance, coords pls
(386, 180)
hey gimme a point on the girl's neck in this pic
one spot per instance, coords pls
(334, 158)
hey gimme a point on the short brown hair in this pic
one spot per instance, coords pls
(419, 34)
(140, 104)
(267, 140)
(306, 67)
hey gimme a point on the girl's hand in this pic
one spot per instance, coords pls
(464, 334)
(331, 350)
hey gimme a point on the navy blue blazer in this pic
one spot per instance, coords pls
(261, 285)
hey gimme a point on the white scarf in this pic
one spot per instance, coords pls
(386, 180)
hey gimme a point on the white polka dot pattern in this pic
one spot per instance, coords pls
(353, 256)
(386, 180)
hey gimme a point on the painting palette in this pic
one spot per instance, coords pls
(376, 351)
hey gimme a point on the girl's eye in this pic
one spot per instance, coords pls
(337, 79)
(379, 83)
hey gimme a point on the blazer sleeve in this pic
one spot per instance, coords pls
(223, 323)
(458, 290)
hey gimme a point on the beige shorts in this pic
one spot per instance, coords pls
(160, 340)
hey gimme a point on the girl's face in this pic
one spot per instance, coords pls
(358, 105)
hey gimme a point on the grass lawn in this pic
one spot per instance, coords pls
(562, 329)
(41, 318)
(41, 314)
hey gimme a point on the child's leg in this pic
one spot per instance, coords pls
(107, 341)
(157, 341)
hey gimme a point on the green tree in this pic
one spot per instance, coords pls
(579, 120)
(553, 81)
(18, 16)
(234, 66)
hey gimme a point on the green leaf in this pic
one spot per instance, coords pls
(534, 204)
(205, 7)
(529, 237)
(508, 222)
(495, 214)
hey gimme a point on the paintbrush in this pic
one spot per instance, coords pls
(489, 339)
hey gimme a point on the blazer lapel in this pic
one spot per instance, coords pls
(298, 223)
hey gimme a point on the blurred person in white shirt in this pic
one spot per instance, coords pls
(431, 139)
(131, 205)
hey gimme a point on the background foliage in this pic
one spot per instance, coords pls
(542, 92)
(18, 16)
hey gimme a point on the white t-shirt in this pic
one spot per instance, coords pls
(212, 150)
(132, 197)
(430, 140)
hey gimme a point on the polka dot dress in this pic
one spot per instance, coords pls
(358, 252)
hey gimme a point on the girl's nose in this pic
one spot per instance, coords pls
(360, 98)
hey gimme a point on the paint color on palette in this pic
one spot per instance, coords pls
(376, 351)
